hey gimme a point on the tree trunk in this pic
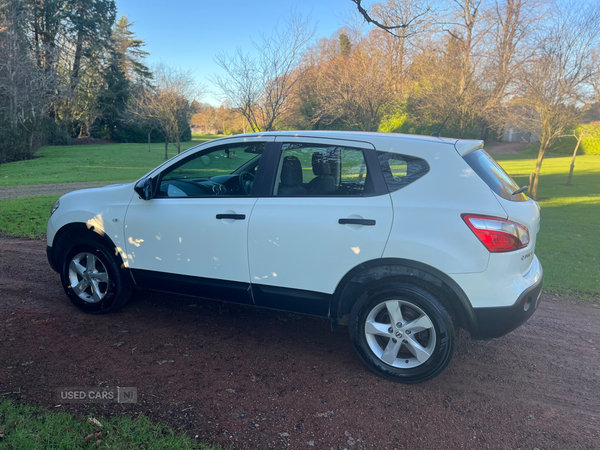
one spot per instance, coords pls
(178, 144)
(167, 147)
(77, 60)
(538, 168)
(573, 160)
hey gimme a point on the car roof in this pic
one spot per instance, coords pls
(463, 146)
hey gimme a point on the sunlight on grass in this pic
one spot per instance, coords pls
(71, 163)
(569, 239)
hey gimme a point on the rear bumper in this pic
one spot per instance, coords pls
(498, 321)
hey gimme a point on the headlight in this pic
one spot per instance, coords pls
(54, 207)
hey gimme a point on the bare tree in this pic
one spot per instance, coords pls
(260, 88)
(168, 105)
(353, 87)
(553, 85)
(26, 91)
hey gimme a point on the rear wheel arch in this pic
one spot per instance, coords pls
(373, 272)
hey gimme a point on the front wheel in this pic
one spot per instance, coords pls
(402, 332)
(92, 280)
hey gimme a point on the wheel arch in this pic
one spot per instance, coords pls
(364, 275)
(71, 232)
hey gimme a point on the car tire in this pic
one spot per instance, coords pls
(91, 278)
(414, 347)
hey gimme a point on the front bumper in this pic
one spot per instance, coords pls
(498, 321)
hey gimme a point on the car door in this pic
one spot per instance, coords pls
(191, 237)
(326, 211)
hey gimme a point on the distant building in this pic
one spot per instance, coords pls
(513, 134)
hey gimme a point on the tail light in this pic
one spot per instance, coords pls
(498, 235)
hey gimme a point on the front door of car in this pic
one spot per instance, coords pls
(326, 211)
(191, 237)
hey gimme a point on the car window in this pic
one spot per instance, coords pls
(401, 170)
(225, 170)
(320, 170)
(494, 176)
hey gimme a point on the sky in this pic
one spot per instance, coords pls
(188, 34)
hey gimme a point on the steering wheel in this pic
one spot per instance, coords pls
(246, 180)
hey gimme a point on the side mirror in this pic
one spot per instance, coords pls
(144, 188)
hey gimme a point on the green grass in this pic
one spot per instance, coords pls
(64, 164)
(32, 428)
(26, 217)
(568, 243)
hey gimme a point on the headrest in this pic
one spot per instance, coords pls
(320, 164)
(291, 171)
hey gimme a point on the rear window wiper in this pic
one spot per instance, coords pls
(518, 191)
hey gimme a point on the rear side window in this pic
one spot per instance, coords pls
(494, 176)
(401, 170)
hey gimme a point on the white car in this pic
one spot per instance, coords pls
(405, 238)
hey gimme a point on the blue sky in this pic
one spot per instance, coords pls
(187, 33)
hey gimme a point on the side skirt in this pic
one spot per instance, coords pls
(272, 297)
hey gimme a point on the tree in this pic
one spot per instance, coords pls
(260, 88)
(351, 87)
(552, 86)
(126, 44)
(26, 91)
(166, 106)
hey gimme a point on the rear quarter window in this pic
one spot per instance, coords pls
(493, 175)
(401, 170)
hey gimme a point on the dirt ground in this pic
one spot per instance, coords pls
(254, 378)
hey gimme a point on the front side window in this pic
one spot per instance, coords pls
(227, 170)
(320, 170)
(401, 170)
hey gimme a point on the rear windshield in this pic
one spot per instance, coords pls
(494, 176)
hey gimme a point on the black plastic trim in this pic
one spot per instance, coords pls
(498, 321)
(232, 216)
(51, 258)
(229, 291)
(271, 160)
(288, 299)
(366, 222)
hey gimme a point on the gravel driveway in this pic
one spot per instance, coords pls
(262, 379)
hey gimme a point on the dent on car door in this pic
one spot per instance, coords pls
(191, 237)
(324, 216)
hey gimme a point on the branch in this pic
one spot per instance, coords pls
(388, 28)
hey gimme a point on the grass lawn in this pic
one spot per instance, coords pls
(31, 428)
(64, 164)
(568, 243)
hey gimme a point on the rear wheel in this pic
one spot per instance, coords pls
(92, 280)
(403, 332)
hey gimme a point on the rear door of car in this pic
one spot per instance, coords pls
(305, 235)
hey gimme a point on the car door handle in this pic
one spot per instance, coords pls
(367, 222)
(232, 216)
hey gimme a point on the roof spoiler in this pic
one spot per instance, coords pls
(464, 147)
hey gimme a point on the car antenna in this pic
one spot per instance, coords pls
(437, 133)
